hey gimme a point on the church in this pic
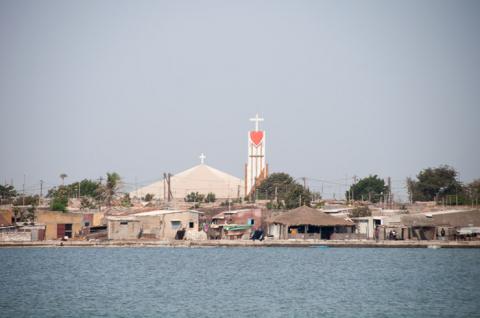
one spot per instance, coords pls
(205, 179)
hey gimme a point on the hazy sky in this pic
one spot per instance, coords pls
(143, 87)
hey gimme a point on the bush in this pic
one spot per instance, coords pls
(194, 197)
(360, 212)
(148, 197)
(210, 197)
(59, 204)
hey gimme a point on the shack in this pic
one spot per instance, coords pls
(123, 228)
(439, 225)
(308, 223)
(159, 224)
(236, 224)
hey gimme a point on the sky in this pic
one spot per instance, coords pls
(347, 88)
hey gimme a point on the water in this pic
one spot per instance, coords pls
(239, 282)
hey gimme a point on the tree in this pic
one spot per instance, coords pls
(126, 201)
(435, 184)
(284, 191)
(7, 193)
(361, 211)
(371, 188)
(194, 197)
(210, 197)
(59, 203)
(63, 176)
(111, 187)
(88, 188)
(27, 200)
(148, 197)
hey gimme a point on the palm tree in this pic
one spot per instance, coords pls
(63, 176)
(113, 183)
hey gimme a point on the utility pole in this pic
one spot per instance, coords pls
(353, 187)
(169, 190)
(276, 193)
(389, 185)
(23, 189)
(304, 182)
(136, 187)
(41, 192)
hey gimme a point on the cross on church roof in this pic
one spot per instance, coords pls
(256, 120)
(202, 158)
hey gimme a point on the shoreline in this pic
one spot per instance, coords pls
(248, 243)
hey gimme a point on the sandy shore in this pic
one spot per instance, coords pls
(245, 243)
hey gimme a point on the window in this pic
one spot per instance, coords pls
(123, 222)
(191, 225)
(176, 224)
(87, 223)
(68, 230)
(251, 222)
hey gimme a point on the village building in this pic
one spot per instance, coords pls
(123, 228)
(441, 225)
(6, 219)
(235, 224)
(201, 178)
(67, 224)
(308, 223)
(159, 224)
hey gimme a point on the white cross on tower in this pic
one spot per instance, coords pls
(256, 120)
(202, 158)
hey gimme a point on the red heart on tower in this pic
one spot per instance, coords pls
(256, 137)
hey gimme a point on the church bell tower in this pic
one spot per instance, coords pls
(256, 169)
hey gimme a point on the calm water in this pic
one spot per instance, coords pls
(236, 282)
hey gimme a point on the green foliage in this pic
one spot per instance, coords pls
(126, 201)
(232, 202)
(27, 200)
(289, 193)
(111, 187)
(361, 211)
(59, 203)
(474, 189)
(63, 176)
(210, 197)
(369, 188)
(7, 193)
(148, 197)
(435, 184)
(88, 188)
(194, 197)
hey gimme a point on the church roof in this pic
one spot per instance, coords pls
(201, 178)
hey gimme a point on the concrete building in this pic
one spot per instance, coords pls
(60, 224)
(123, 228)
(160, 224)
(67, 224)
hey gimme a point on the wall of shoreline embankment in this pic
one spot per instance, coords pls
(248, 243)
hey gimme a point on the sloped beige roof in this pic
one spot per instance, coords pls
(306, 215)
(453, 218)
(202, 179)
